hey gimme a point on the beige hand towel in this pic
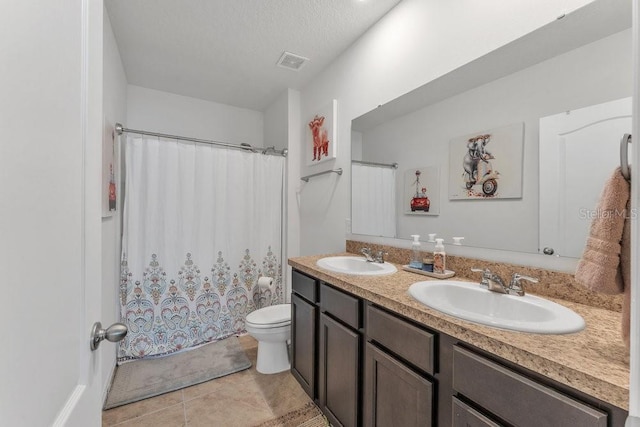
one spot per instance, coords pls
(605, 264)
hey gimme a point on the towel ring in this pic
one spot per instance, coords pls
(624, 160)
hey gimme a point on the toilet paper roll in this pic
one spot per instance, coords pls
(265, 282)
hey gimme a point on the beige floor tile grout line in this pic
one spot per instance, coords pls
(184, 407)
(148, 413)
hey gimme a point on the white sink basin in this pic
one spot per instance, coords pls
(469, 301)
(355, 265)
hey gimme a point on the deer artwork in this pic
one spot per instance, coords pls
(320, 138)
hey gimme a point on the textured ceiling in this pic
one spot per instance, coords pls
(226, 50)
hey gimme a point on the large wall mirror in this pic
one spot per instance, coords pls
(440, 144)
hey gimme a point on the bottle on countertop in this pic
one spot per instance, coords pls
(439, 258)
(427, 265)
(416, 252)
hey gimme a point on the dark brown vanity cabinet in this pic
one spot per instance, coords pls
(339, 356)
(304, 321)
(399, 360)
(326, 343)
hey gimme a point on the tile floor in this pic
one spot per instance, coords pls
(246, 398)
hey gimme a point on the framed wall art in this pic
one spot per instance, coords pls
(487, 164)
(421, 195)
(321, 138)
(109, 196)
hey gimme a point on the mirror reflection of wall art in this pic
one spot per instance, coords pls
(108, 169)
(321, 134)
(487, 164)
(422, 191)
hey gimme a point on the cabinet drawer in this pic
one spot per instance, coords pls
(515, 398)
(466, 416)
(402, 338)
(305, 286)
(340, 305)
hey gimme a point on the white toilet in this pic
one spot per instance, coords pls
(271, 327)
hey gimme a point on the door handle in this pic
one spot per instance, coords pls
(113, 333)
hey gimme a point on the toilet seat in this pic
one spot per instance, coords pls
(270, 317)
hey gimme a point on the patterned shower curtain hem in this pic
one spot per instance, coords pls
(165, 315)
(127, 359)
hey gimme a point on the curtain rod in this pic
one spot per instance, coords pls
(388, 165)
(247, 147)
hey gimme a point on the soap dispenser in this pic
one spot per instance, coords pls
(439, 258)
(416, 249)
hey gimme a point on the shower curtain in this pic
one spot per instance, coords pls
(373, 200)
(201, 225)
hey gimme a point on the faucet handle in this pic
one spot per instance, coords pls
(515, 287)
(380, 256)
(517, 277)
(486, 273)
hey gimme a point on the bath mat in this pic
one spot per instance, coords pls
(146, 378)
(307, 416)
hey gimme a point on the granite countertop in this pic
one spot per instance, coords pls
(594, 361)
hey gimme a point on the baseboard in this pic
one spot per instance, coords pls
(107, 384)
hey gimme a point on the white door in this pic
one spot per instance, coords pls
(579, 150)
(50, 131)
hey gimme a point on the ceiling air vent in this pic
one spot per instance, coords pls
(292, 61)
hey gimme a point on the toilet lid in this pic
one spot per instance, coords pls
(275, 315)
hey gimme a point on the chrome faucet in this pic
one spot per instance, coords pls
(491, 281)
(494, 283)
(378, 258)
(367, 254)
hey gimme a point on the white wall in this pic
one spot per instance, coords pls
(292, 229)
(281, 125)
(156, 111)
(276, 116)
(413, 44)
(115, 111)
(595, 73)
(279, 118)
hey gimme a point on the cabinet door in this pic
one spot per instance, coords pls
(303, 343)
(466, 416)
(338, 380)
(394, 394)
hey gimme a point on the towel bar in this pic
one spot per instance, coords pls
(388, 165)
(306, 178)
(624, 160)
